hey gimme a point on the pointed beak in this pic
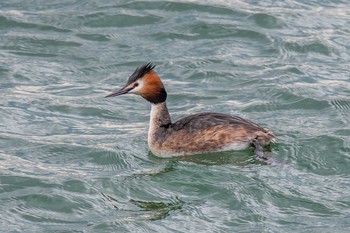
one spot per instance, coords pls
(122, 91)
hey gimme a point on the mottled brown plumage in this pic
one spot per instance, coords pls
(202, 133)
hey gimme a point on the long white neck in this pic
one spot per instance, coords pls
(159, 120)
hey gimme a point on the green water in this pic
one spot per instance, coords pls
(72, 161)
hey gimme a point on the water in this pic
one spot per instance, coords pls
(72, 161)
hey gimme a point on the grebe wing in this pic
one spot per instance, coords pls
(210, 119)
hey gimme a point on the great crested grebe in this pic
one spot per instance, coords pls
(195, 134)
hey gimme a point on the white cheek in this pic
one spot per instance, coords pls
(137, 89)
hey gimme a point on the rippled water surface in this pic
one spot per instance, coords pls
(72, 161)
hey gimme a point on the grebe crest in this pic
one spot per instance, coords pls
(194, 134)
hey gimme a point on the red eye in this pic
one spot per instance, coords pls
(136, 84)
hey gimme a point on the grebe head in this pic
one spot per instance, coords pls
(146, 83)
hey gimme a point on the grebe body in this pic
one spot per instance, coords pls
(195, 134)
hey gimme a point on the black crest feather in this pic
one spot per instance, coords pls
(140, 72)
